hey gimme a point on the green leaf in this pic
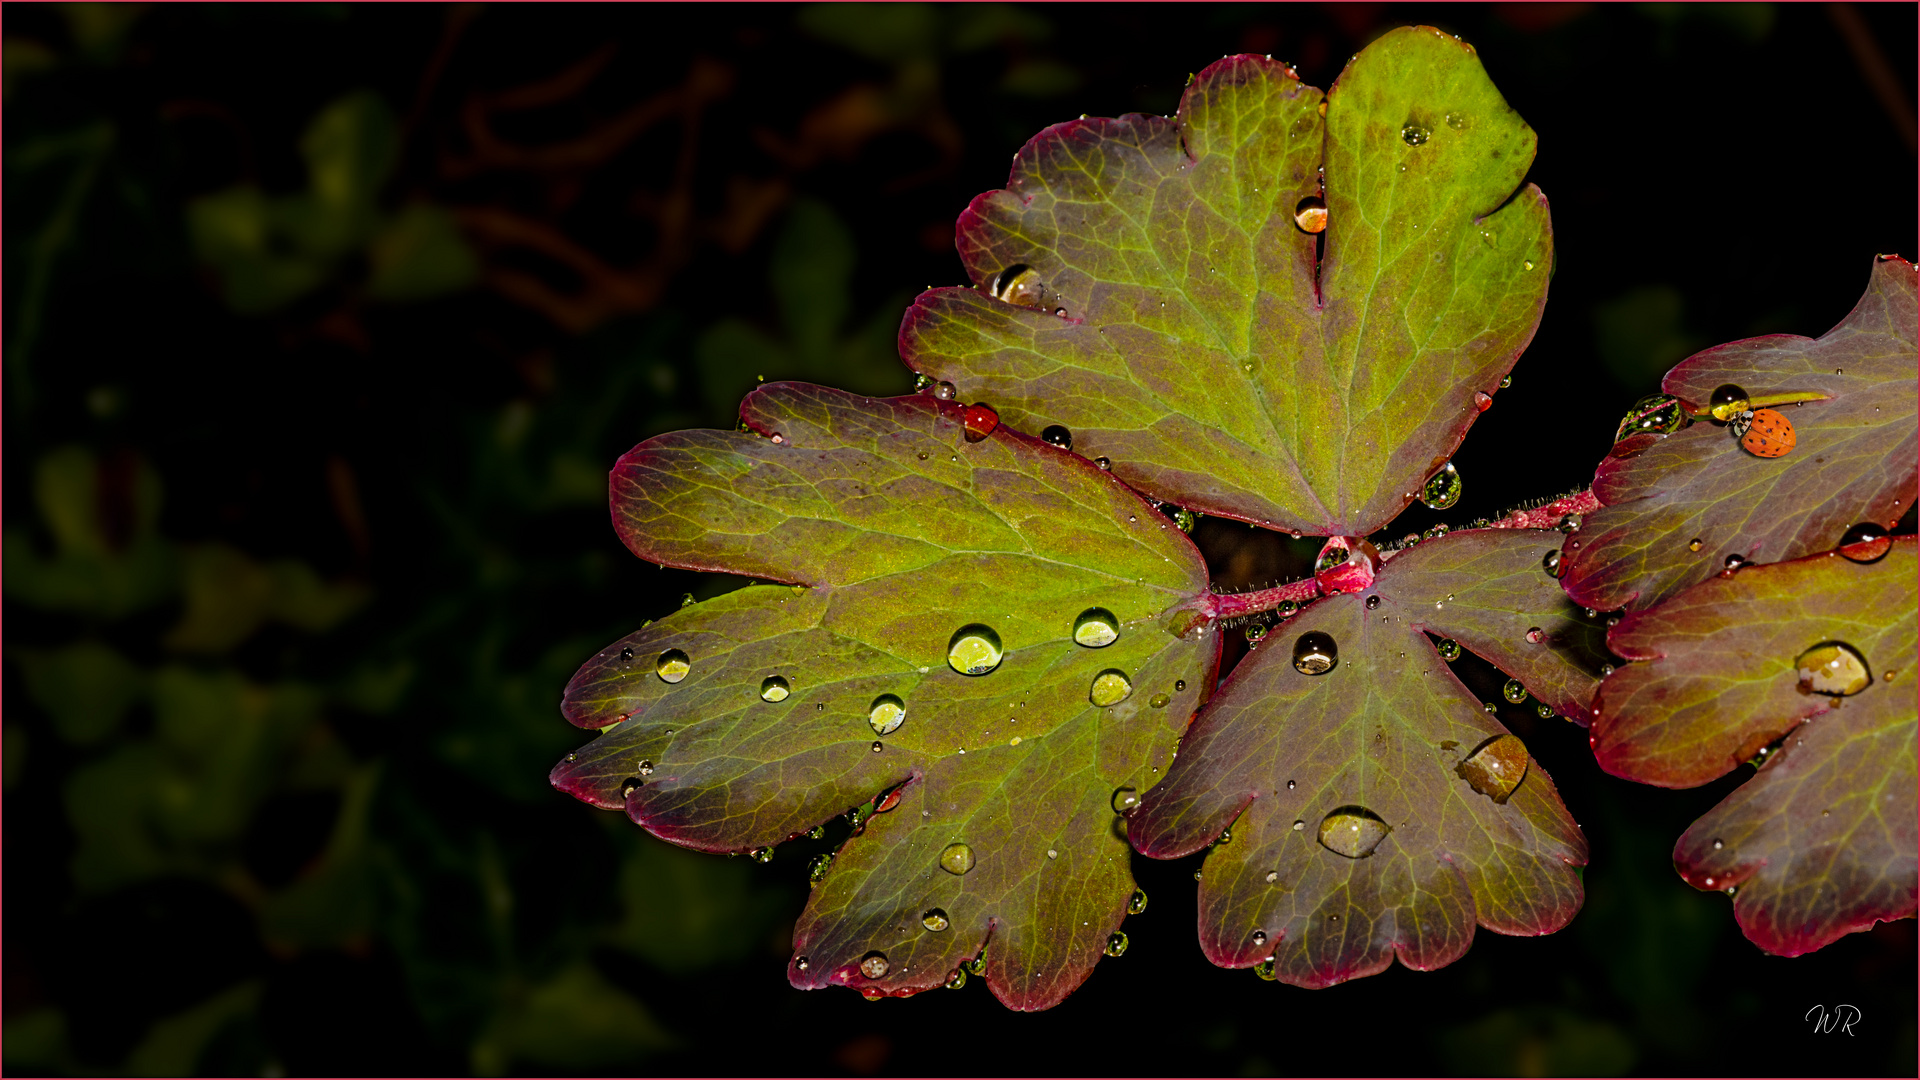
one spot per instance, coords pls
(1822, 841)
(1853, 462)
(86, 687)
(418, 255)
(1173, 320)
(1281, 755)
(893, 531)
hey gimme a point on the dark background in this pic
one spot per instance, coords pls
(323, 325)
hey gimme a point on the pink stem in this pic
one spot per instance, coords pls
(1546, 517)
(1232, 605)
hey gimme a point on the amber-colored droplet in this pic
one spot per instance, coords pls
(1770, 435)
(1310, 214)
(980, 420)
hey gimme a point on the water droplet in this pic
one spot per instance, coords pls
(1110, 687)
(886, 714)
(1606, 670)
(817, 869)
(1569, 523)
(1103, 463)
(976, 965)
(1116, 943)
(1159, 701)
(1527, 263)
(1138, 902)
(1727, 402)
(877, 747)
(1734, 562)
(1273, 876)
(1264, 969)
(1456, 121)
(1415, 133)
(1658, 414)
(1184, 520)
(1056, 435)
(1489, 708)
(921, 382)
(979, 421)
(1179, 685)
(672, 666)
(874, 965)
(1125, 800)
(626, 654)
(1289, 785)
(1449, 650)
(956, 978)
(1437, 532)
(945, 391)
(1256, 633)
(1553, 563)
(1298, 825)
(1315, 653)
(934, 919)
(1543, 710)
(1694, 544)
(1535, 635)
(629, 786)
(775, 688)
(1096, 628)
(956, 859)
(1496, 767)
(1310, 214)
(1834, 668)
(1372, 602)
(801, 963)
(1259, 937)
(974, 649)
(1353, 831)
(761, 855)
(1717, 845)
(1482, 401)
(1442, 489)
(1514, 691)
(1865, 543)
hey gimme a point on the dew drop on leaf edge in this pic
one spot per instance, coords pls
(1865, 543)
(1116, 943)
(1449, 649)
(1496, 767)
(1514, 691)
(1442, 489)
(1138, 902)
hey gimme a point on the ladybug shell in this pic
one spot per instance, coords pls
(1771, 435)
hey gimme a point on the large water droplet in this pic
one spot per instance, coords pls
(979, 420)
(956, 859)
(1096, 628)
(1442, 489)
(974, 649)
(817, 869)
(1866, 543)
(1657, 414)
(1834, 668)
(956, 978)
(1353, 831)
(1449, 650)
(1727, 402)
(1056, 435)
(672, 666)
(775, 688)
(1315, 653)
(1554, 563)
(1110, 687)
(1415, 133)
(934, 919)
(1310, 214)
(874, 965)
(1125, 800)
(1496, 767)
(1116, 943)
(1019, 284)
(1138, 903)
(886, 714)
(1515, 691)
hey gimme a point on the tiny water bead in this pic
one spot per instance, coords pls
(1535, 635)
(626, 654)
(1116, 943)
(1514, 691)
(1110, 687)
(1103, 463)
(1769, 435)
(775, 688)
(1353, 831)
(1496, 767)
(1184, 520)
(1728, 401)
(1259, 937)
(1865, 543)
(1735, 562)
(1656, 414)
(1310, 214)
(629, 786)
(672, 666)
(817, 868)
(1179, 685)
(1834, 668)
(1298, 825)
(1125, 800)
(921, 382)
(956, 859)
(761, 855)
(801, 963)
(1554, 563)
(945, 391)
(1442, 489)
(1570, 523)
(1415, 133)
(1315, 653)
(1507, 380)
(1456, 121)
(1449, 650)
(1138, 902)
(934, 919)
(874, 965)
(1159, 701)
(1694, 544)
(1256, 633)
(886, 714)
(1373, 602)
(1096, 628)
(974, 649)
(1543, 710)
(1056, 435)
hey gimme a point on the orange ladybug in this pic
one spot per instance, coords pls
(1770, 435)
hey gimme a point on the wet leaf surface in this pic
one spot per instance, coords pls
(1286, 758)
(1853, 461)
(1163, 302)
(890, 530)
(1822, 841)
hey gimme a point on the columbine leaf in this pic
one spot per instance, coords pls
(1388, 732)
(890, 531)
(1853, 462)
(1176, 327)
(1822, 841)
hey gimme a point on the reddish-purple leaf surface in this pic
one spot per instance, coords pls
(1822, 841)
(1281, 753)
(1142, 282)
(1676, 509)
(891, 528)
